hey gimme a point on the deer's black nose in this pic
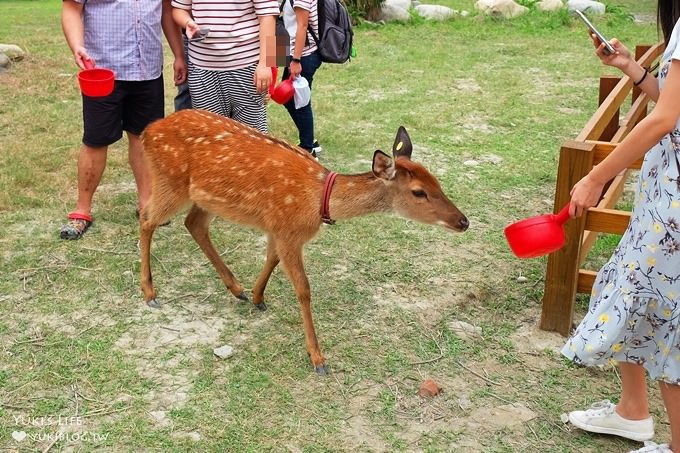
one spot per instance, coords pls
(463, 223)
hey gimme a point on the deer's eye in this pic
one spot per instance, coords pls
(419, 193)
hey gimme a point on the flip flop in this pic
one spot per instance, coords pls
(76, 227)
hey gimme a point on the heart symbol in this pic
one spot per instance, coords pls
(19, 435)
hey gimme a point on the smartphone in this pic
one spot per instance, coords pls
(200, 36)
(608, 49)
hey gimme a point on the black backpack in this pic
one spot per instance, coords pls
(335, 32)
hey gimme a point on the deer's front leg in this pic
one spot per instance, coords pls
(294, 268)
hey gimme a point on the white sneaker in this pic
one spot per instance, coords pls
(316, 148)
(602, 418)
(651, 447)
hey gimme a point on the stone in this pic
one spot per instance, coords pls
(550, 5)
(465, 330)
(4, 61)
(392, 13)
(13, 52)
(501, 8)
(403, 4)
(224, 352)
(589, 6)
(435, 12)
(428, 389)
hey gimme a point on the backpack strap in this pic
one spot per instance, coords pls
(320, 14)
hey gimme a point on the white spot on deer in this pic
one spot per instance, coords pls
(289, 199)
(221, 136)
(199, 140)
(350, 184)
(188, 140)
(242, 172)
(184, 167)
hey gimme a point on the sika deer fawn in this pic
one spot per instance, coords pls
(222, 167)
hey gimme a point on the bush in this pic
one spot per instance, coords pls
(364, 9)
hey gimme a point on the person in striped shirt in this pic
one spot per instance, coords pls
(229, 72)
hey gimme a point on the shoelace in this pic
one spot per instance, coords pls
(604, 407)
(653, 447)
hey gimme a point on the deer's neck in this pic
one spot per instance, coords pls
(356, 195)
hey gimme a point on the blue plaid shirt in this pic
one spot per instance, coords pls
(125, 36)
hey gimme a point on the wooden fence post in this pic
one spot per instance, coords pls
(559, 295)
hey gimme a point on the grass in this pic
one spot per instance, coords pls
(487, 104)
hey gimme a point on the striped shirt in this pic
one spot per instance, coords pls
(234, 38)
(289, 21)
(125, 36)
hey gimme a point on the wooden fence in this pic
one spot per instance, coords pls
(607, 127)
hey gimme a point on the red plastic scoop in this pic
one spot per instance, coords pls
(537, 236)
(95, 82)
(282, 93)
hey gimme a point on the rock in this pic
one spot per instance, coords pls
(590, 6)
(13, 52)
(403, 4)
(391, 13)
(465, 330)
(501, 8)
(550, 5)
(435, 12)
(224, 352)
(4, 61)
(522, 279)
(428, 389)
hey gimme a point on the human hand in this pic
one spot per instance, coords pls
(191, 28)
(179, 68)
(295, 68)
(585, 194)
(262, 78)
(80, 56)
(619, 59)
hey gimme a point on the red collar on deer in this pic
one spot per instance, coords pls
(326, 198)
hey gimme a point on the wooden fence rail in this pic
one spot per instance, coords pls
(564, 278)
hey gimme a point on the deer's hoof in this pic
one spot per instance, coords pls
(321, 370)
(243, 296)
(261, 306)
(153, 303)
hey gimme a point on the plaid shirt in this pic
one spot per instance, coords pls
(125, 36)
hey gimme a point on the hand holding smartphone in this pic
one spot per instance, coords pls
(608, 49)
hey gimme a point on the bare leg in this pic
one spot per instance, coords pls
(139, 169)
(91, 165)
(634, 404)
(671, 399)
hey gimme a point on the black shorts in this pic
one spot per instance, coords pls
(130, 107)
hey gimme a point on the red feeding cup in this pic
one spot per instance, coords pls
(95, 82)
(537, 236)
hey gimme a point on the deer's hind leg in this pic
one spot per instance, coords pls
(262, 279)
(159, 209)
(198, 223)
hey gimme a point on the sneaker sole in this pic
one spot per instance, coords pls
(640, 437)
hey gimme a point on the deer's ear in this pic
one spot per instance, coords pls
(383, 166)
(402, 144)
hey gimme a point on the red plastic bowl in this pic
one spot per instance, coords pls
(282, 93)
(537, 236)
(96, 82)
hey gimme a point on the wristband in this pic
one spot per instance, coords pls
(296, 60)
(642, 79)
